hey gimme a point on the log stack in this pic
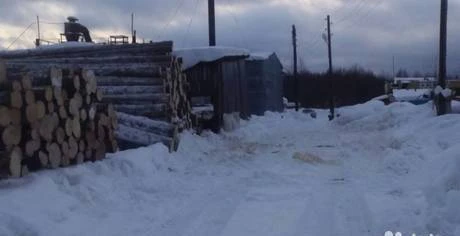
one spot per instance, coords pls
(52, 121)
(140, 80)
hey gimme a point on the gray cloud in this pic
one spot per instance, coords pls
(365, 32)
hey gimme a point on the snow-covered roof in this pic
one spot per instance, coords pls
(260, 56)
(193, 56)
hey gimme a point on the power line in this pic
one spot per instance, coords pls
(351, 13)
(23, 32)
(237, 24)
(197, 3)
(180, 3)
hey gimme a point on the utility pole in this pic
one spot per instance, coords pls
(37, 41)
(442, 101)
(133, 32)
(212, 23)
(329, 49)
(296, 78)
(393, 67)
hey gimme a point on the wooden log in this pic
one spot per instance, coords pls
(16, 116)
(48, 125)
(43, 157)
(164, 60)
(15, 101)
(92, 112)
(93, 51)
(62, 112)
(54, 155)
(128, 138)
(68, 127)
(143, 123)
(26, 82)
(58, 97)
(153, 98)
(5, 116)
(11, 135)
(131, 89)
(31, 147)
(60, 135)
(50, 107)
(41, 73)
(73, 148)
(151, 111)
(128, 81)
(41, 110)
(83, 115)
(76, 128)
(31, 113)
(15, 158)
(29, 97)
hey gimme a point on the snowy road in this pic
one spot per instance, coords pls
(373, 170)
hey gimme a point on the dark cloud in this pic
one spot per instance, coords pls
(365, 32)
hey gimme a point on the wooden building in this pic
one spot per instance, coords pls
(217, 76)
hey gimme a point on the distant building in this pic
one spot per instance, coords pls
(414, 82)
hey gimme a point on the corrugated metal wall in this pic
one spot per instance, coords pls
(265, 85)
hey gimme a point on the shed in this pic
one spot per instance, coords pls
(264, 73)
(216, 75)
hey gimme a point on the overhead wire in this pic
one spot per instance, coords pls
(197, 3)
(23, 32)
(180, 3)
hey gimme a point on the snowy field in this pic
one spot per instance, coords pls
(375, 169)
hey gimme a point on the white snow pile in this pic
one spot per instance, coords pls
(193, 56)
(374, 169)
(410, 94)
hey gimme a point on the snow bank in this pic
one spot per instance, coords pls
(411, 94)
(192, 56)
(443, 192)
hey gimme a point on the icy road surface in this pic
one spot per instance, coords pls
(375, 169)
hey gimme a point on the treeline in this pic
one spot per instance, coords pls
(347, 86)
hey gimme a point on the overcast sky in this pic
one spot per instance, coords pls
(365, 32)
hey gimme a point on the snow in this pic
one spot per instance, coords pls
(374, 169)
(193, 56)
(410, 94)
(258, 56)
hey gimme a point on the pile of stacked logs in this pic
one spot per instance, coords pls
(51, 120)
(140, 80)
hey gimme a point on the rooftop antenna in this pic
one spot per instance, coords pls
(37, 41)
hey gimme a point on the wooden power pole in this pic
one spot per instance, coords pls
(296, 78)
(212, 23)
(442, 101)
(329, 49)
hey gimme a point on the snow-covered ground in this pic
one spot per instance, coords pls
(375, 169)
